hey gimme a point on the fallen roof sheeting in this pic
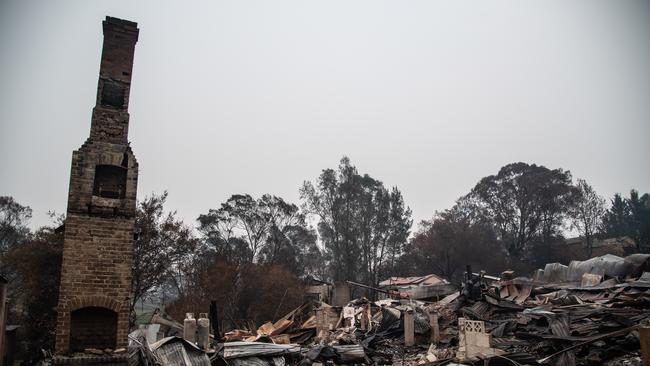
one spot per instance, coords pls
(179, 352)
(248, 349)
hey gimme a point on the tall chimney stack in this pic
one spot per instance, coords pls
(110, 121)
(93, 308)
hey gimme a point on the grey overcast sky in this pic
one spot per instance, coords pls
(258, 96)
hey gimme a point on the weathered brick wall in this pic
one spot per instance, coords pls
(96, 271)
(82, 176)
(110, 121)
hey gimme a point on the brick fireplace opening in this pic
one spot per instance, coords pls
(93, 327)
(93, 309)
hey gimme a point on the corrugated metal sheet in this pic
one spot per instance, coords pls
(250, 349)
(606, 265)
(257, 361)
(555, 272)
(400, 281)
(430, 291)
(179, 352)
(390, 319)
(560, 326)
(421, 323)
(479, 310)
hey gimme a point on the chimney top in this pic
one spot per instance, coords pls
(120, 23)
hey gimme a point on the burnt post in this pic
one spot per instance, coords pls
(214, 319)
(644, 338)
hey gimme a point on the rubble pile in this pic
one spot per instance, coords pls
(587, 313)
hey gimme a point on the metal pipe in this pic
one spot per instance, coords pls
(487, 277)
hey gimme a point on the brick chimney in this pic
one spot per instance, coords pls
(110, 116)
(93, 309)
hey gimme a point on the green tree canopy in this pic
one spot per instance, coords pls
(523, 201)
(363, 226)
(629, 217)
(267, 230)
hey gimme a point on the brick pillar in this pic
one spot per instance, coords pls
(435, 328)
(409, 328)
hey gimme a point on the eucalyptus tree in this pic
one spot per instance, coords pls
(362, 225)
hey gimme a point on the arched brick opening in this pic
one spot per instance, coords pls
(93, 327)
(82, 318)
(97, 301)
